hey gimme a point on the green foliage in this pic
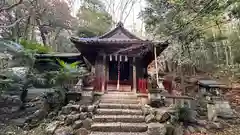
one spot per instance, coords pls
(93, 19)
(203, 33)
(73, 67)
(182, 114)
(39, 48)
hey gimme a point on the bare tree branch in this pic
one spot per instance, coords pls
(12, 6)
(133, 3)
(12, 25)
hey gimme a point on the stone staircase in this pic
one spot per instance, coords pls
(119, 114)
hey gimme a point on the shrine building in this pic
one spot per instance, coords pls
(119, 59)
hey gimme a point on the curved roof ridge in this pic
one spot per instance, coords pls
(120, 27)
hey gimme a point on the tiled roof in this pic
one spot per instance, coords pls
(109, 41)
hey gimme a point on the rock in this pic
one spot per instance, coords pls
(37, 115)
(80, 109)
(51, 127)
(63, 131)
(214, 125)
(77, 124)
(187, 132)
(71, 118)
(74, 112)
(90, 115)
(90, 108)
(69, 108)
(19, 122)
(83, 115)
(52, 114)
(82, 131)
(61, 117)
(149, 118)
(178, 130)
(170, 129)
(96, 104)
(72, 102)
(164, 117)
(191, 129)
(74, 107)
(87, 123)
(66, 110)
(156, 129)
(146, 110)
(84, 108)
(202, 122)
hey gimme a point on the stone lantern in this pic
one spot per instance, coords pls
(156, 96)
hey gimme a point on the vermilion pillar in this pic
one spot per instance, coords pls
(103, 74)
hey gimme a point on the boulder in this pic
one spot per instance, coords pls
(69, 108)
(164, 117)
(51, 127)
(90, 108)
(87, 123)
(61, 117)
(146, 110)
(72, 102)
(202, 122)
(178, 130)
(82, 131)
(71, 119)
(191, 129)
(90, 115)
(214, 125)
(149, 118)
(83, 115)
(19, 122)
(77, 124)
(63, 131)
(52, 114)
(74, 107)
(84, 108)
(170, 129)
(66, 110)
(156, 129)
(74, 112)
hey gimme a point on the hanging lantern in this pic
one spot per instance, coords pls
(110, 57)
(116, 58)
(120, 58)
(126, 58)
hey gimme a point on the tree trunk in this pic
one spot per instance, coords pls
(43, 36)
(53, 43)
(26, 31)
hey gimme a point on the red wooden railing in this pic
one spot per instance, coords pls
(142, 85)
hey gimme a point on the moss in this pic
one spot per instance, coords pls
(39, 48)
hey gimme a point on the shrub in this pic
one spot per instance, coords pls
(35, 46)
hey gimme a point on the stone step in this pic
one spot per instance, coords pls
(114, 96)
(118, 133)
(120, 93)
(119, 118)
(119, 106)
(119, 127)
(120, 101)
(119, 112)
